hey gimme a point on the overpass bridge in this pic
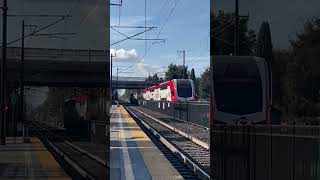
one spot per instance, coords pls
(123, 84)
(59, 73)
(66, 68)
(59, 67)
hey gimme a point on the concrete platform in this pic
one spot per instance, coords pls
(132, 154)
(20, 160)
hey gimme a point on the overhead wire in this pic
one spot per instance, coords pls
(162, 8)
(84, 19)
(119, 23)
(160, 15)
(145, 23)
(76, 3)
(161, 29)
(68, 13)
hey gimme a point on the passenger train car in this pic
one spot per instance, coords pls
(240, 91)
(174, 90)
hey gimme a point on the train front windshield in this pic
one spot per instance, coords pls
(238, 88)
(184, 88)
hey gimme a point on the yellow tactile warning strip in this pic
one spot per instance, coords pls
(136, 133)
(28, 161)
(157, 164)
(48, 163)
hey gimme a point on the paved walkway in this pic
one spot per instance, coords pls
(20, 160)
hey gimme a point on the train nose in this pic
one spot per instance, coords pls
(242, 120)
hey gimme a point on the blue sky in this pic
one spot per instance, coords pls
(285, 17)
(89, 21)
(187, 28)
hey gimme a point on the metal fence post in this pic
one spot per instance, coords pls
(254, 151)
(187, 105)
(270, 154)
(249, 151)
(220, 152)
(292, 147)
(180, 112)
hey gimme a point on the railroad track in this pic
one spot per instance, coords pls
(193, 154)
(78, 163)
(199, 133)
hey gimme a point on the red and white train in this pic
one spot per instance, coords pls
(241, 90)
(174, 90)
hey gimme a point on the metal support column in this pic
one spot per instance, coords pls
(21, 76)
(236, 28)
(4, 73)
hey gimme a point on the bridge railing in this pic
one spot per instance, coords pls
(84, 55)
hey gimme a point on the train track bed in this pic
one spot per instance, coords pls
(196, 156)
(78, 163)
(98, 150)
(198, 132)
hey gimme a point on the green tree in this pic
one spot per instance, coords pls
(204, 84)
(264, 48)
(149, 79)
(172, 72)
(192, 75)
(279, 66)
(222, 34)
(301, 82)
(154, 79)
(176, 72)
(307, 52)
(196, 83)
(264, 43)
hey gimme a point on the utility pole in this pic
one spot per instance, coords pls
(117, 98)
(4, 72)
(236, 28)
(111, 56)
(184, 62)
(21, 76)
(22, 73)
(117, 75)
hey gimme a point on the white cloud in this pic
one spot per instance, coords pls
(124, 55)
(145, 69)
